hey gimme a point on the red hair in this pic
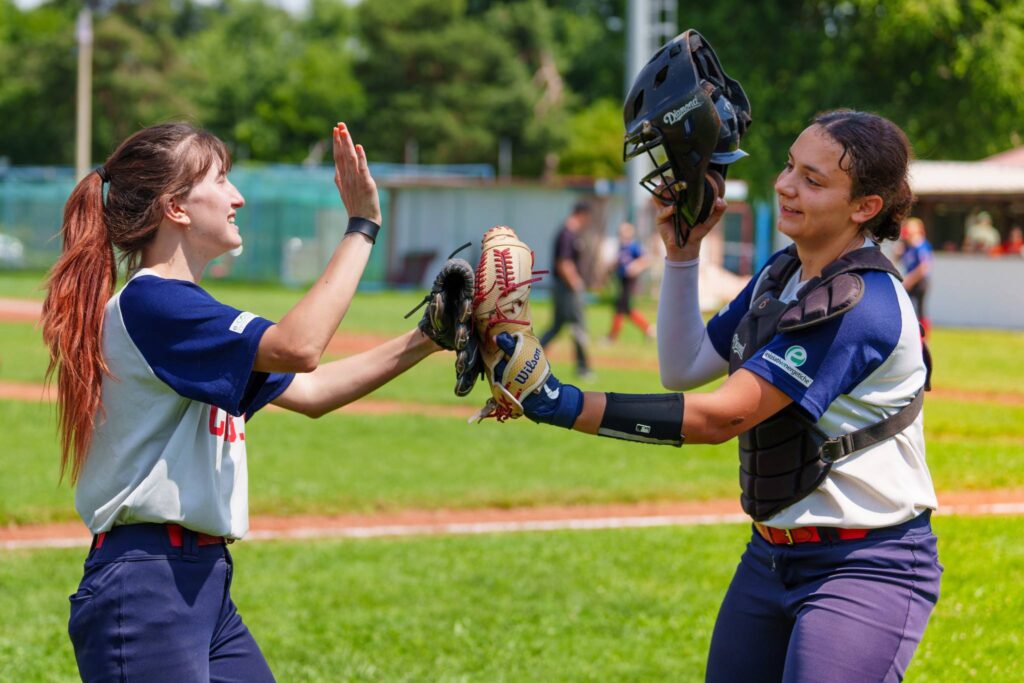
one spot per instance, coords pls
(147, 169)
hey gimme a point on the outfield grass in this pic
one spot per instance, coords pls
(356, 463)
(971, 360)
(22, 284)
(634, 605)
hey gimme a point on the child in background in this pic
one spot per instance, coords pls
(631, 262)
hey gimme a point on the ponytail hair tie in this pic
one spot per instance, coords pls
(102, 173)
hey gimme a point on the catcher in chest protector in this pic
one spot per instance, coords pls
(825, 367)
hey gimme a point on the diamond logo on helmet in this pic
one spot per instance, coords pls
(677, 115)
(683, 104)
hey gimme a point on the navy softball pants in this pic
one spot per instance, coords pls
(148, 611)
(847, 611)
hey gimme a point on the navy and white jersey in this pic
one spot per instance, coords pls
(847, 373)
(169, 440)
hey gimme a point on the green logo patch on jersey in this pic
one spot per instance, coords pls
(796, 355)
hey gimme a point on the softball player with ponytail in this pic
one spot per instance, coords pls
(155, 384)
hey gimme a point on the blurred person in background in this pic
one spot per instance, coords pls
(1014, 244)
(568, 288)
(980, 236)
(155, 384)
(631, 262)
(916, 262)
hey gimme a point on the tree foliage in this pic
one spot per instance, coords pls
(456, 80)
(452, 84)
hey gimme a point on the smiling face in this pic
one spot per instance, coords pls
(211, 206)
(815, 206)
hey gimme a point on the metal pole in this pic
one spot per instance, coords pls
(83, 101)
(650, 24)
(637, 54)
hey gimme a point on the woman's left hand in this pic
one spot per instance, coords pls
(352, 176)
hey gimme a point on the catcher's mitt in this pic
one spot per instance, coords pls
(448, 320)
(501, 304)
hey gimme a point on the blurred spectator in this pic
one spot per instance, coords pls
(631, 262)
(916, 261)
(1014, 244)
(569, 289)
(12, 251)
(980, 235)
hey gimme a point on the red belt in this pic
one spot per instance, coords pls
(174, 534)
(807, 534)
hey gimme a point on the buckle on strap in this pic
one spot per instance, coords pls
(836, 448)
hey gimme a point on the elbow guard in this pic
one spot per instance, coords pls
(647, 418)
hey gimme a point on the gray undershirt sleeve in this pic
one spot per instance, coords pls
(686, 357)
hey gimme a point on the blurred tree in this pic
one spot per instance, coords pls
(136, 78)
(591, 35)
(455, 85)
(594, 147)
(459, 77)
(952, 73)
(273, 85)
(948, 71)
(37, 90)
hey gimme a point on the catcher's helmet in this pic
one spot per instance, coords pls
(683, 103)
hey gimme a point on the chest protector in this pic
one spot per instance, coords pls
(787, 456)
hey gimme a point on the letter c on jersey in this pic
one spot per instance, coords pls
(218, 428)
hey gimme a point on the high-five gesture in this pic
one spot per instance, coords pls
(356, 186)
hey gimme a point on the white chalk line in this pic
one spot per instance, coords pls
(475, 528)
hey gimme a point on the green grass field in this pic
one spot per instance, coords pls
(632, 605)
(635, 605)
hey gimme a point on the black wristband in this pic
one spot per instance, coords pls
(647, 418)
(364, 226)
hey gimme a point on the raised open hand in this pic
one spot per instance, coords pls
(356, 186)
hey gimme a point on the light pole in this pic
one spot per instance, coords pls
(83, 98)
(649, 25)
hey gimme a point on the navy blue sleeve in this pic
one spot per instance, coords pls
(263, 388)
(816, 365)
(723, 324)
(203, 349)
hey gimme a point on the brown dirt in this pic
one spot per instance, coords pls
(20, 310)
(413, 522)
(27, 391)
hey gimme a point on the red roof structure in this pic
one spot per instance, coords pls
(1013, 157)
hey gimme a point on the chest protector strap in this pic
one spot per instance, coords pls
(786, 457)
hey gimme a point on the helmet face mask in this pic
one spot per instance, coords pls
(688, 117)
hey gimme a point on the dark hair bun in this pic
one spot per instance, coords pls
(876, 155)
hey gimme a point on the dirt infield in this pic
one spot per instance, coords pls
(491, 520)
(20, 310)
(28, 391)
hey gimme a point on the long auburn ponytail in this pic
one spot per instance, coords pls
(150, 167)
(79, 285)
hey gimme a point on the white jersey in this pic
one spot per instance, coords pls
(169, 440)
(848, 373)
